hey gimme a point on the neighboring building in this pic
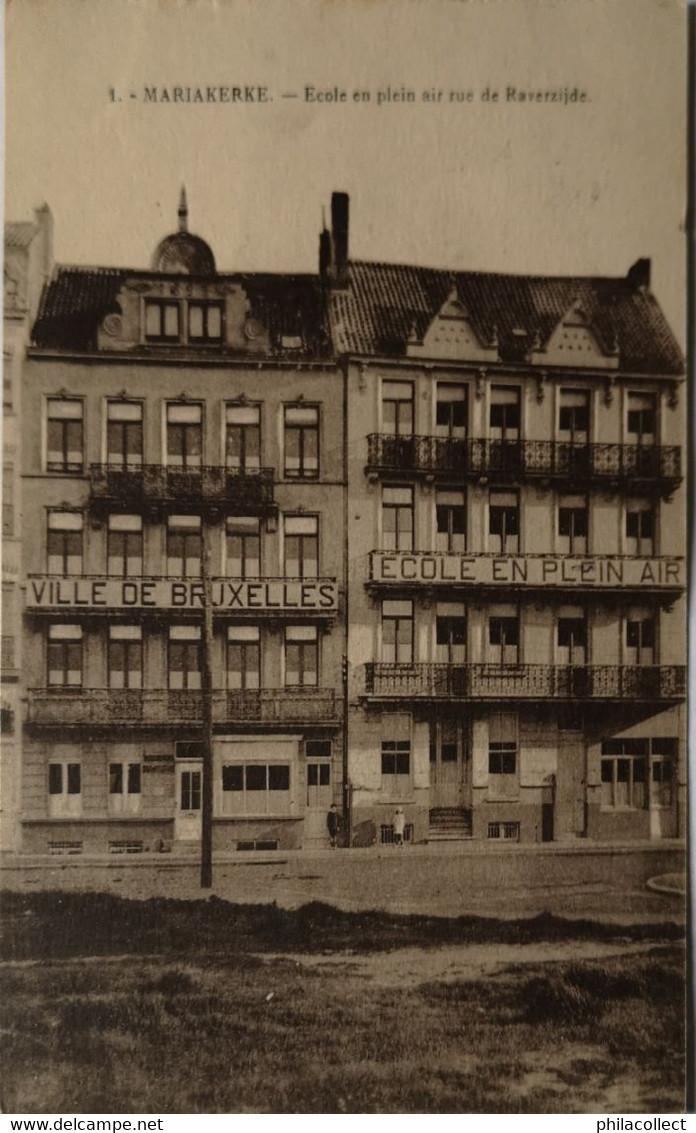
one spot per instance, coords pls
(442, 516)
(516, 535)
(172, 415)
(27, 264)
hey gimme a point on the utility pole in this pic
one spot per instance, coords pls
(207, 716)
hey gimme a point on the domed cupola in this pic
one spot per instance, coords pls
(182, 253)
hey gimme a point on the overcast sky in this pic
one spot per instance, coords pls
(585, 188)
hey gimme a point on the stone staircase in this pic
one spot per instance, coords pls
(449, 824)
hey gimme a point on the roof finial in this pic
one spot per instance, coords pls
(183, 211)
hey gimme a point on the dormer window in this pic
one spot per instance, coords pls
(176, 321)
(205, 322)
(162, 321)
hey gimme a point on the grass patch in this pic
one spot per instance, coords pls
(178, 1010)
(55, 924)
(153, 1037)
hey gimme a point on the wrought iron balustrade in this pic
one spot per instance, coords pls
(234, 490)
(98, 707)
(452, 457)
(527, 682)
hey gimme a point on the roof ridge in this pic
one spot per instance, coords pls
(488, 274)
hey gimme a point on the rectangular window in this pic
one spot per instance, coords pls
(450, 513)
(450, 410)
(641, 418)
(184, 657)
(301, 656)
(396, 759)
(7, 397)
(503, 780)
(243, 547)
(572, 525)
(124, 433)
(184, 435)
(125, 656)
(571, 639)
(450, 633)
(640, 528)
(125, 787)
(243, 437)
(397, 408)
(663, 750)
(8, 500)
(302, 442)
(574, 416)
(623, 774)
(204, 322)
(301, 546)
(504, 637)
(256, 788)
(64, 435)
(124, 546)
(162, 321)
(503, 523)
(640, 637)
(397, 632)
(397, 519)
(184, 546)
(504, 414)
(65, 656)
(64, 542)
(64, 789)
(243, 657)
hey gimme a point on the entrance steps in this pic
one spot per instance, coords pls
(449, 824)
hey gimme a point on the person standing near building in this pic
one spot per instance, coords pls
(399, 826)
(333, 825)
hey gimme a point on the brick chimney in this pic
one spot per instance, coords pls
(639, 274)
(339, 235)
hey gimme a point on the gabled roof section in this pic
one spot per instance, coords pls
(451, 335)
(76, 300)
(383, 304)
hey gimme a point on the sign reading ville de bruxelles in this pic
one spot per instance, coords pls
(320, 595)
(524, 570)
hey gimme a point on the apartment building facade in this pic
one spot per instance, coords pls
(438, 519)
(183, 449)
(28, 260)
(516, 583)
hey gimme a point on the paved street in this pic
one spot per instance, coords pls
(605, 883)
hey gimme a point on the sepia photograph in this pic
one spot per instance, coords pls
(344, 667)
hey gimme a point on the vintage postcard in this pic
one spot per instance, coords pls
(344, 762)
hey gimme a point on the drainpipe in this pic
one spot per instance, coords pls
(347, 800)
(207, 715)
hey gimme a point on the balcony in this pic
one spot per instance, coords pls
(483, 682)
(103, 595)
(165, 708)
(452, 458)
(160, 487)
(421, 570)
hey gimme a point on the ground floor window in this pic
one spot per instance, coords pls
(624, 772)
(125, 787)
(504, 831)
(503, 759)
(64, 789)
(396, 766)
(255, 788)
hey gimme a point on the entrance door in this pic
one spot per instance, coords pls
(187, 819)
(319, 799)
(449, 763)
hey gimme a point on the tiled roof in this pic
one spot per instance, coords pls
(19, 233)
(76, 299)
(383, 303)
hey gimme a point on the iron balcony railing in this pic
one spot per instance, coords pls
(236, 491)
(100, 707)
(525, 682)
(455, 457)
